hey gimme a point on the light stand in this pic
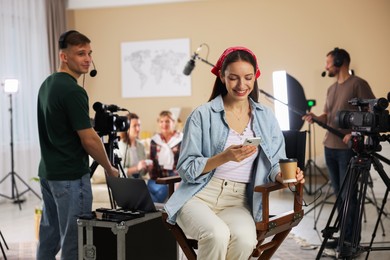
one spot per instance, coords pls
(311, 167)
(11, 86)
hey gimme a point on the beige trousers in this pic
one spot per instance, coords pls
(219, 219)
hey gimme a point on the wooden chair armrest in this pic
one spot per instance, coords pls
(170, 181)
(269, 187)
(265, 189)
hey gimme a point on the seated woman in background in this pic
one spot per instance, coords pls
(164, 152)
(132, 151)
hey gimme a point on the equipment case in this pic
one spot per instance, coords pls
(140, 238)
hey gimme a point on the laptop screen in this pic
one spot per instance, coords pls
(131, 194)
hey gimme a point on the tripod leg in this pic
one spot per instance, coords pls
(28, 187)
(342, 203)
(1, 246)
(112, 202)
(347, 193)
(377, 222)
(362, 168)
(119, 166)
(15, 195)
(93, 168)
(15, 190)
(2, 250)
(5, 243)
(374, 202)
(379, 168)
(329, 229)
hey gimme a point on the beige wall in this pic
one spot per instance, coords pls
(290, 35)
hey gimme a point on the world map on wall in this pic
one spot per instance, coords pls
(147, 64)
(155, 68)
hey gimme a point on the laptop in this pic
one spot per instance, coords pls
(131, 194)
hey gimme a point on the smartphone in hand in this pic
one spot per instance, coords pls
(255, 141)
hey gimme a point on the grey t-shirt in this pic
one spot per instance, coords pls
(337, 99)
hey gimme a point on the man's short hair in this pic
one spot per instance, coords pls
(340, 57)
(72, 37)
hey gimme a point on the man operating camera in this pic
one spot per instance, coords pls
(66, 139)
(337, 152)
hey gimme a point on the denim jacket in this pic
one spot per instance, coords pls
(205, 134)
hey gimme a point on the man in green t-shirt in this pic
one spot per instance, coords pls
(66, 139)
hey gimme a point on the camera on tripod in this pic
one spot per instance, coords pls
(366, 124)
(106, 122)
(372, 116)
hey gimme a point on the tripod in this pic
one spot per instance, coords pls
(358, 169)
(113, 158)
(15, 195)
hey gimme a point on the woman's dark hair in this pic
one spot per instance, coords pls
(239, 55)
(123, 135)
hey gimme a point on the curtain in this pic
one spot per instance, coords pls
(23, 56)
(56, 24)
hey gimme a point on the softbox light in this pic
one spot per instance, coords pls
(288, 90)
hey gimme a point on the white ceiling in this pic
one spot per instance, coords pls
(85, 4)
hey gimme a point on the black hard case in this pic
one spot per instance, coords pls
(140, 238)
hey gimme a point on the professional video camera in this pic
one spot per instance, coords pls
(372, 116)
(106, 122)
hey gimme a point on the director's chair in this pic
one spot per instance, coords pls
(272, 230)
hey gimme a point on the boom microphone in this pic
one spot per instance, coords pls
(189, 66)
(93, 72)
(191, 63)
(98, 107)
(323, 74)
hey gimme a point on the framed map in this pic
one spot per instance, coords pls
(155, 68)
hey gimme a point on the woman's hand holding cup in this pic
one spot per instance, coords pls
(290, 172)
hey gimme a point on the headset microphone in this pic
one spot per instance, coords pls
(323, 74)
(93, 72)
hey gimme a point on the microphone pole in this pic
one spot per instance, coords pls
(293, 109)
(302, 113)
(205, 61)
